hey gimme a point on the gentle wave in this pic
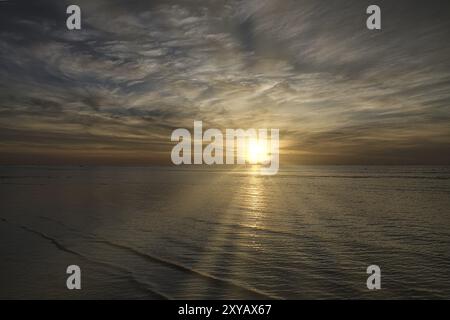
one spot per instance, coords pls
(174, 265)
(128, 273)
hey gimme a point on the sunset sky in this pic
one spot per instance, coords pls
(113, 92)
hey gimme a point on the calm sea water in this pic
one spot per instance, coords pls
(183, 233)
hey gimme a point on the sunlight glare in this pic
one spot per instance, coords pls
(257, 151)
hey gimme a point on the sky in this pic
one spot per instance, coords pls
(113, 92)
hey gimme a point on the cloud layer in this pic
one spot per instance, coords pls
(114, 91)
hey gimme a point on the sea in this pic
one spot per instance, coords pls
(309, 232)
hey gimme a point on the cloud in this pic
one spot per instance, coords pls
(138, 69)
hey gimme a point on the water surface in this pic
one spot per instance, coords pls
(186, 233)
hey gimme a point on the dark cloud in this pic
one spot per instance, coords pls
(138, 69)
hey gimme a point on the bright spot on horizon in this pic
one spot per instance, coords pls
(257, 151)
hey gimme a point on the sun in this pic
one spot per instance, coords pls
(257, 152)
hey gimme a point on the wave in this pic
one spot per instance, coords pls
(140, 284)
(363, 176)
(174, 265)
(180, 267)
(249, 227)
